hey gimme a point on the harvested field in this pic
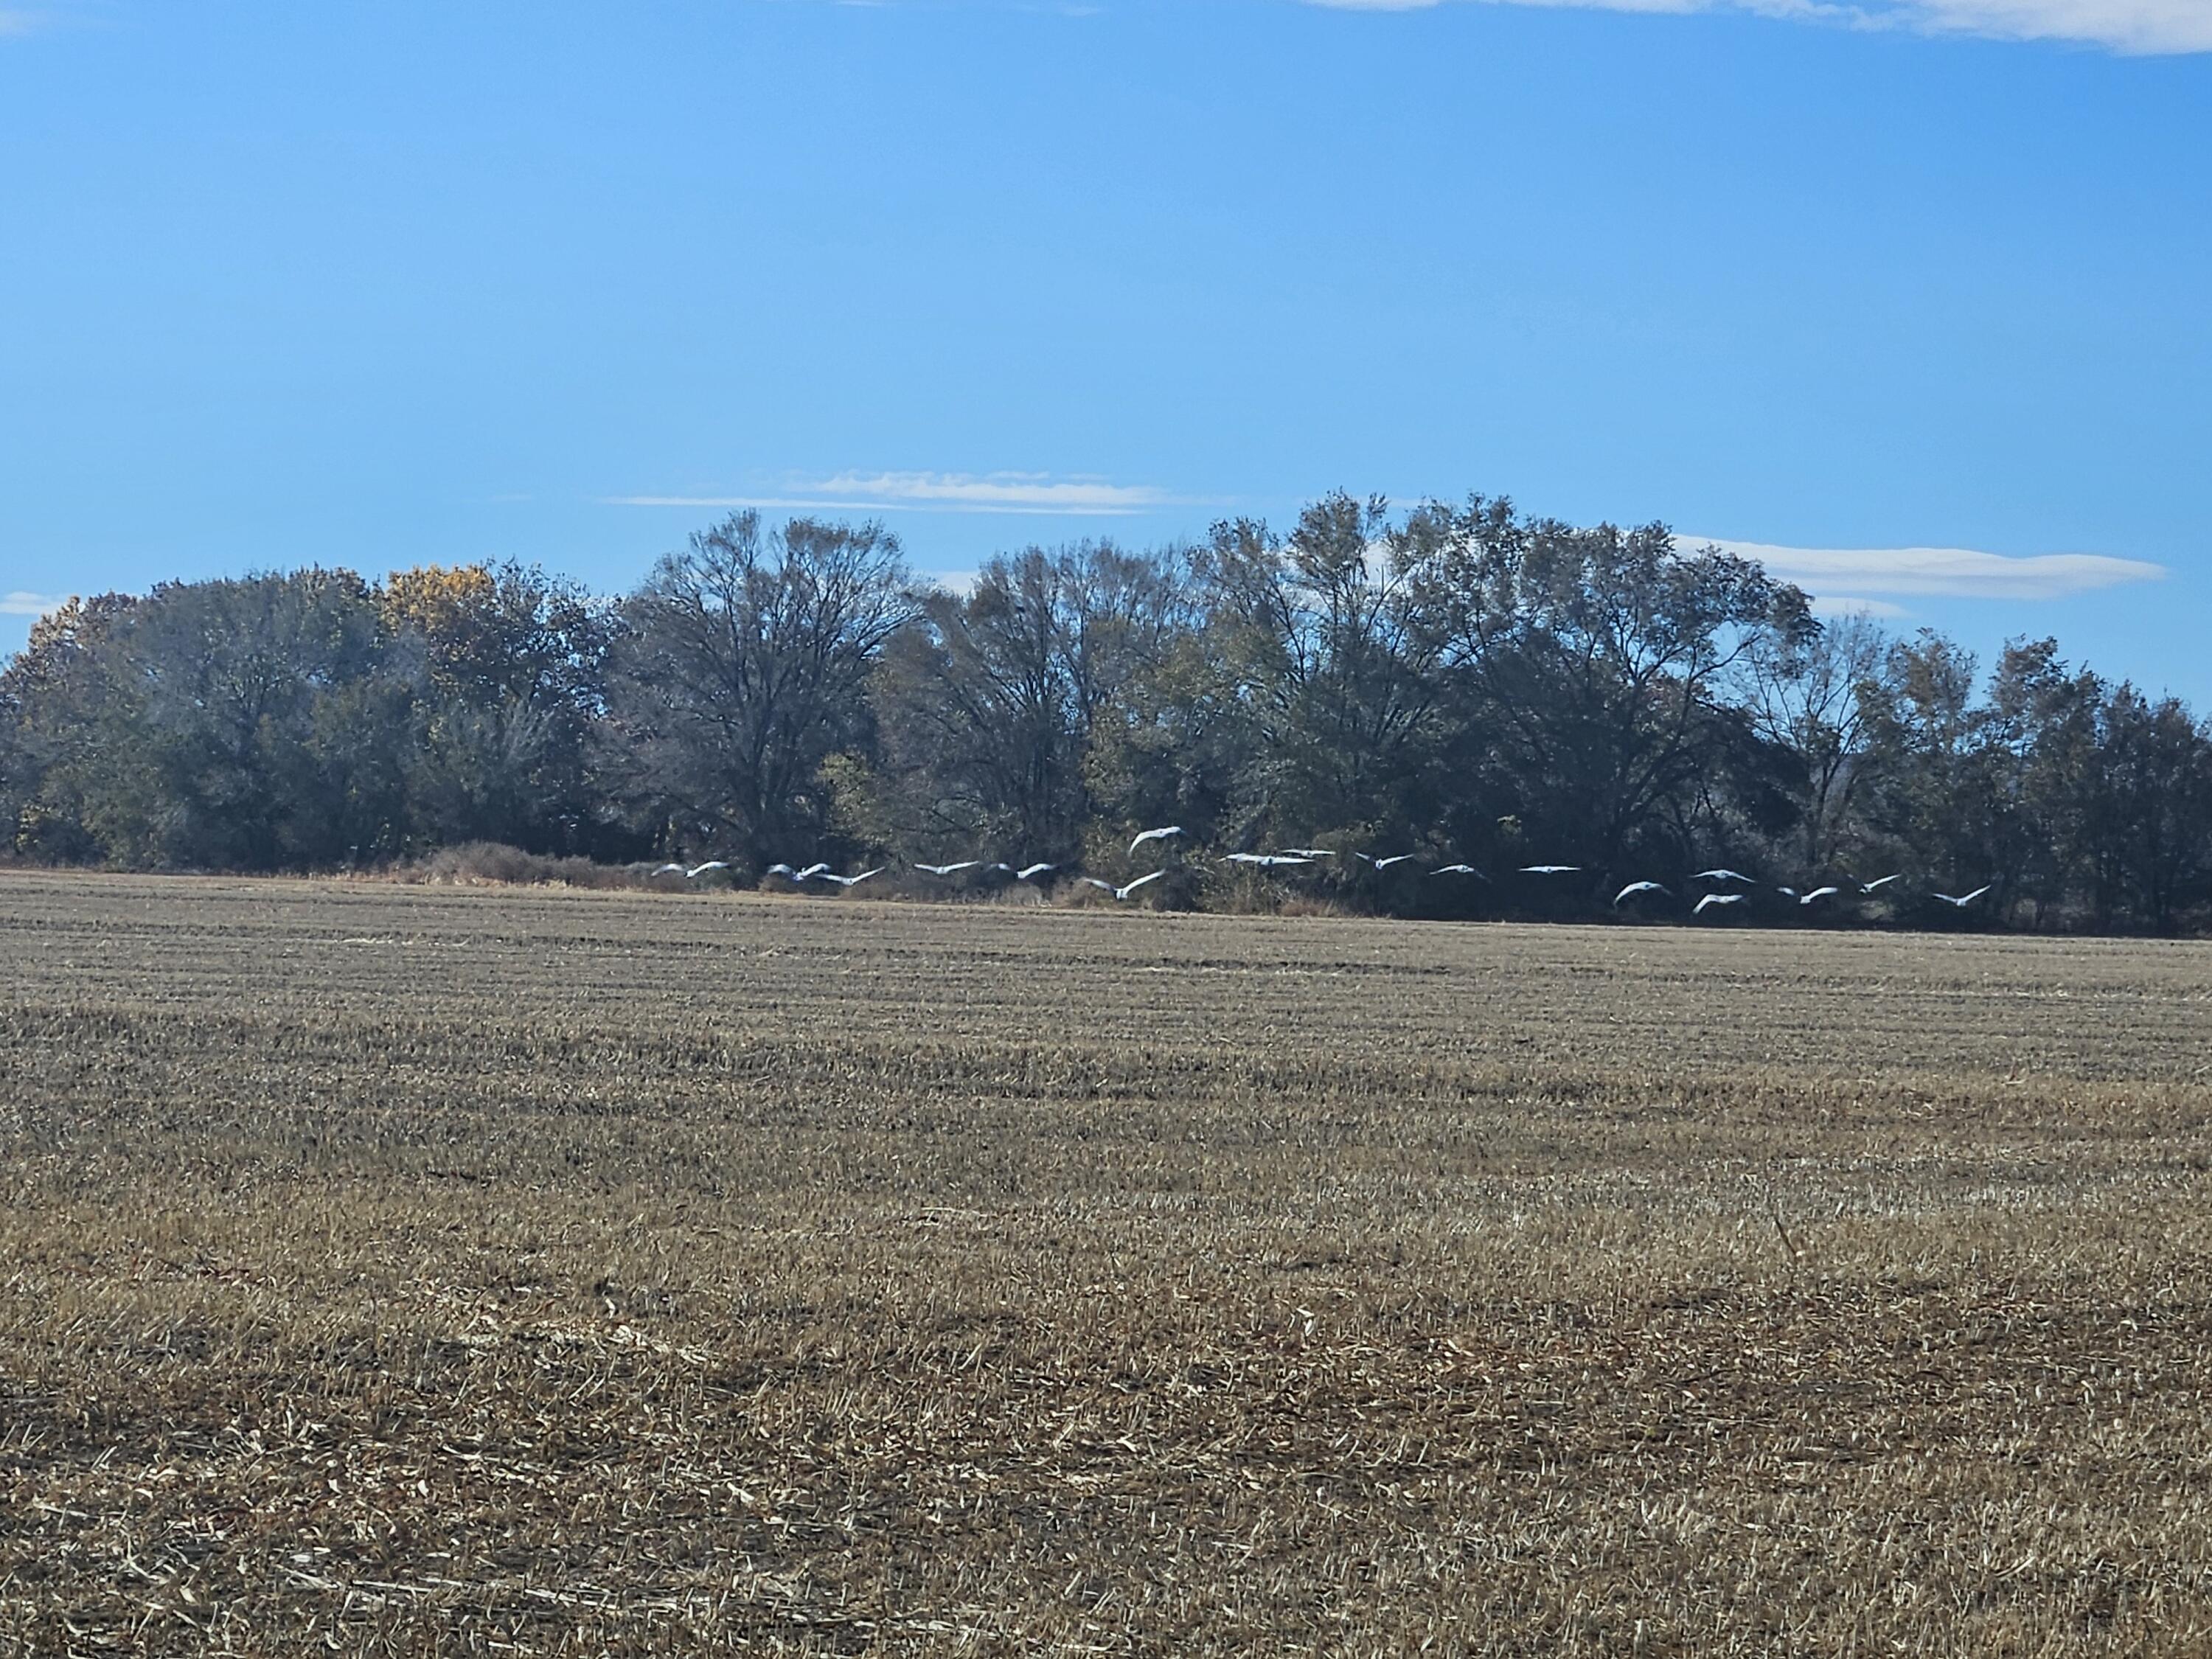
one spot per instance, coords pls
(409, 1270)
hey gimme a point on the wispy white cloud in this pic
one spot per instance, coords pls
(1953, 571)
(1845, 605)
(940, 492)
(19, 604)
(2127, 26)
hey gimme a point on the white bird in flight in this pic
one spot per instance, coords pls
(1879, 883)
(810, 871)
(1266, 860)
(1817, 894)
(851, 881)
(1032, 872)
(1385, 863)
(1460, 870)
(670, 869)
(1163, 834)
(1310, 852)
(1722, 875)
(1549, 869)
(1123, 892)
(1717, 898)
(1636, 887)
(698, 870)
(1963, 900)
(951, 869)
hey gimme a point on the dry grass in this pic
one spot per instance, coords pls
(413, 1270)
(495, 864)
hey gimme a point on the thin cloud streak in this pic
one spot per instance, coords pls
(19, 604)
(1845, 605)
(1942, 572)
(1026, 493)
(2149, 28)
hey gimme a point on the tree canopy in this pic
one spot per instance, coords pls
(1457, 680)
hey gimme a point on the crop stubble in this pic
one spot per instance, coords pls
(408, 1269)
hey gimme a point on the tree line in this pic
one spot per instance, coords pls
(1459, 680)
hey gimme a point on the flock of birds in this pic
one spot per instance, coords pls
(1726, 887)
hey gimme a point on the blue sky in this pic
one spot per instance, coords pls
(378, 284)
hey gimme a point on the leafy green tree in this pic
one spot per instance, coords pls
(1326, 654)
(510, 668)
(1931, 794)
(54, 699)
(2155, 767)
(192, 727)
(1594, 667)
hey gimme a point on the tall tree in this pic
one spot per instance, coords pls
(1322, 640)
(741, 669)
(1930, 794)
(512, 664)
(245, 724)
(1802, 690)
(2155, 776)
(56, 696)
(1596, 663)
(992, 704)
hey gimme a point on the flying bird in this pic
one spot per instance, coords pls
(810, 871)
(1722, 875)
(851, 881)
(1171, 830)
(1460, 870)
(1879, 883)
(1637, 887)
(784, 870)
(1549, 869)
(670, 869)
(1032, 872)
(1963, 900)
(1310, 852)
(1385, 864)
(698, 870)
(1717, 898)
(1817, 894)
(951, 869)
(1266, 860)
(1123, 892)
